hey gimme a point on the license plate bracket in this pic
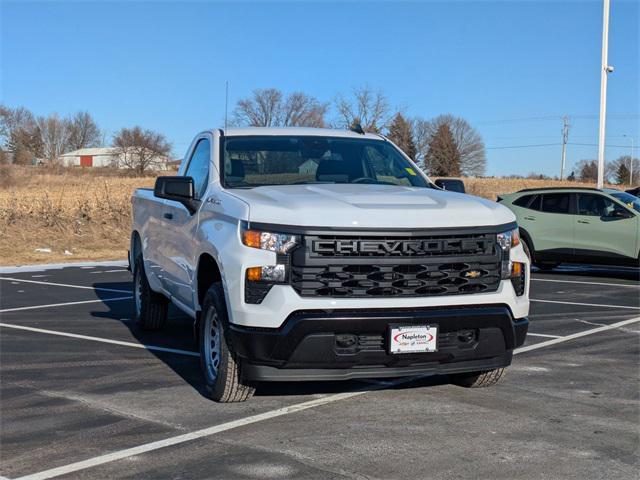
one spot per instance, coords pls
(413, 339)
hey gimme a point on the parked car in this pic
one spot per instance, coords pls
(315, 254)
(634, 191)
(577, 225)
(450, 184)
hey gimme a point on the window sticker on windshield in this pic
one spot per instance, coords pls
(410, 171)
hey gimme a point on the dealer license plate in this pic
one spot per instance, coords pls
(413, 339)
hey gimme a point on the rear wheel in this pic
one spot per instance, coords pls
(222, 369)
(478, 379)
(150, 308)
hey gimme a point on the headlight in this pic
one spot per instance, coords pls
(509, 239)
(281, 243)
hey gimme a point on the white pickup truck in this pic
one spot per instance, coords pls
(313, 254)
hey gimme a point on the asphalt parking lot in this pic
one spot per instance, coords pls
(85, 394)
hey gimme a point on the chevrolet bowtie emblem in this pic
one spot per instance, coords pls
(472, 274)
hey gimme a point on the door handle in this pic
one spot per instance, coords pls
(168, 216)
(583, 221)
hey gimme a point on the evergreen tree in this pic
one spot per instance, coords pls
(401, 134)
(443, 156)
(622, 174)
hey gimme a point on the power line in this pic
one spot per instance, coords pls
(524, 146)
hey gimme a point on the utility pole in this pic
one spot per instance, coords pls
(631, 166)
(226, 104)
(565, 137)
(604, 71)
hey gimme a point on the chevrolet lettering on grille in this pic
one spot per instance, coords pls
(400, 247)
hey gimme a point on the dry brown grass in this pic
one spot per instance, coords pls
(492, 187)
(88, 212)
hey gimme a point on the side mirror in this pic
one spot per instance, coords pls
(451, 184)
(178, 189)
(619, 214)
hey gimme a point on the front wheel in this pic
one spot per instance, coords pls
(478, 379)
(221, 368)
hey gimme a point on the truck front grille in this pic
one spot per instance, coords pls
(348, 266)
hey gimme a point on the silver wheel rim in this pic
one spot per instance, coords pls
(137, 294)
(212, 344)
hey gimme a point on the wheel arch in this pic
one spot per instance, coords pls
(135, 249)
(207, 273)
(529, 241)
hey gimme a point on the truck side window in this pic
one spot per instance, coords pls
(198, 167)
(555, 202)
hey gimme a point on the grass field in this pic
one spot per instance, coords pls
(86, 214)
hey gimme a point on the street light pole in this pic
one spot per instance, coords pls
(631, 162)
(605, 70)
(631, 166)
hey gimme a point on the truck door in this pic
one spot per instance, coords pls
(182, 228)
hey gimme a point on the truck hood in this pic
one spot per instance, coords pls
(369, 206)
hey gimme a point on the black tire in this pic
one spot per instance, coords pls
(221, 368)
(478, 379)
(149, 308)
(547, 266)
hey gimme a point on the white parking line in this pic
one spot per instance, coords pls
(59, 266)
(206, 432)
(100, 289)
(584, 304)
(36, 307)
(102, 340)
(573, 336)
(586, 283)
(542, 335)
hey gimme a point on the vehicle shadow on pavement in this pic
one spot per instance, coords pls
(178, 334)
(615, 273)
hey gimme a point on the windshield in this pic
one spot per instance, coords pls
(629, 200)
(254, 161)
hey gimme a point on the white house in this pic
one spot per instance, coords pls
(102, 157)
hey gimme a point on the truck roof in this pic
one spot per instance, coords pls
(302, 131)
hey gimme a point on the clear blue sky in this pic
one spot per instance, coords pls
(511, 68)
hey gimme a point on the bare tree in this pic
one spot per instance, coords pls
(83, 131)
(366, 107)
(271, 108)
(302, 110)
(19, 133)
(54, 134)
(421, 133)
(140, 150)
(619, 170)
(468, 142)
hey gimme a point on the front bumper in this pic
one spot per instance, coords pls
(310, 343)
